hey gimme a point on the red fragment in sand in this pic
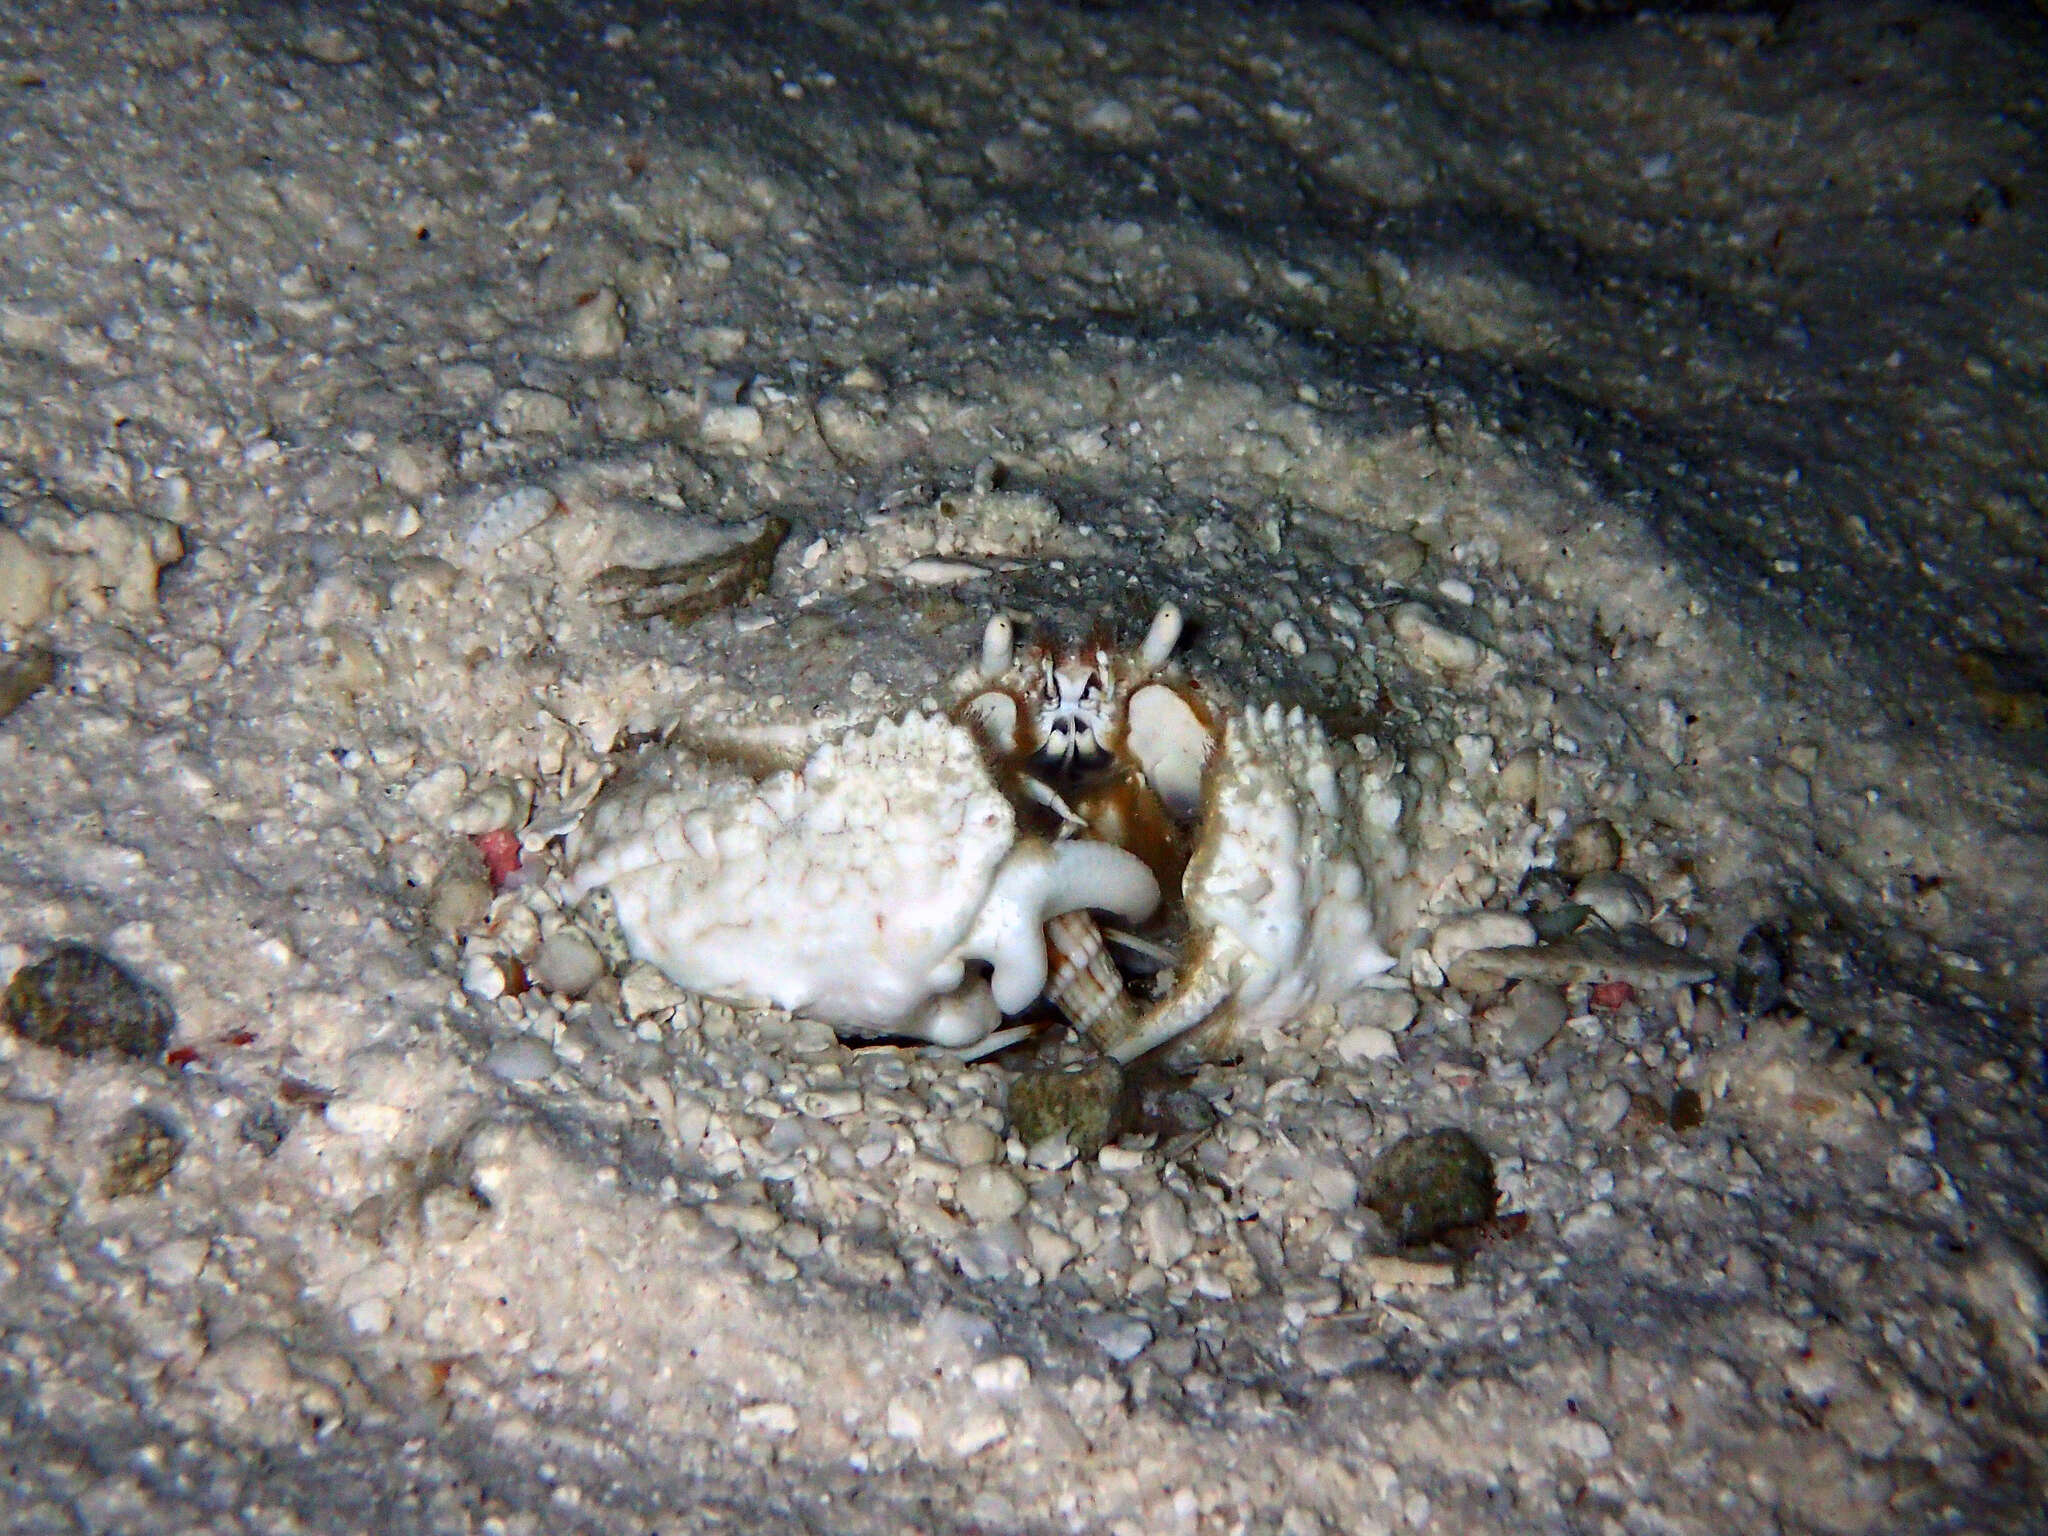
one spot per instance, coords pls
(183, 1056)
(1613, 994)
(240, 1037)
(500, 849)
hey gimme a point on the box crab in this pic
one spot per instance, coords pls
(927, 876)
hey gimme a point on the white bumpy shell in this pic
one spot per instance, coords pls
(855, 889)
(1277, 900)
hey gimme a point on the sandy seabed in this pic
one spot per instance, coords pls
(1632, 423)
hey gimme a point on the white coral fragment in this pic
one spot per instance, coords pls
(857, 889)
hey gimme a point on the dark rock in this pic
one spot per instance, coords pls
(264, 1126)
(1758, 984)
(1426, 1184)
(23, 675)
(1086, 1104)
(1543, 889)
(1560, 922)
(1688, 1110)
(80, 1001)
(142, 1154)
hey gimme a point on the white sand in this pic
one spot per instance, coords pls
(1693, 368)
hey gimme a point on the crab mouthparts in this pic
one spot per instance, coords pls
(1072, 749)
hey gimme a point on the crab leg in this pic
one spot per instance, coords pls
(1208, 987)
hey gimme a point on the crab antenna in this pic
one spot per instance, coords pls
(998, 646)
(1161, 638)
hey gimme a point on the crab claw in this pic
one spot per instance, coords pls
(1041, 880)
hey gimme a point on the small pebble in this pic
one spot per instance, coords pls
(1367, 1042)
(1609, 1109)
(1538, 1012)
(1618, 900)
(644, 992)
(977, 1432)
(970, 1143)
(483, 975)
(1430, 1182)
(414, 469)
(1791, 788)
(459, 899)
(769, 1418)
(532, 413)
(1591, 848)
(329, 44)
(1051, 1251)
(1394, 1010)
(732, 426)
(80, 1002)
(142, 1154)
(1122, 1338)
(1287, 636)
(1163, 1222)
(524, 1060)
(1428, 640)
(989, 1194)
(567, 963)
(28, 583)
(1004, 1376)
(1108, 118)
(1385, 1274)
(595, 326)
(1395, 558)
(515, 513)
(1521, 778)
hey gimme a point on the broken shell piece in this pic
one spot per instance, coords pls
(1638, 958)
(687, 591)
(856, 889)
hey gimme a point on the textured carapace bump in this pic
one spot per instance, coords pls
(858, 889)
